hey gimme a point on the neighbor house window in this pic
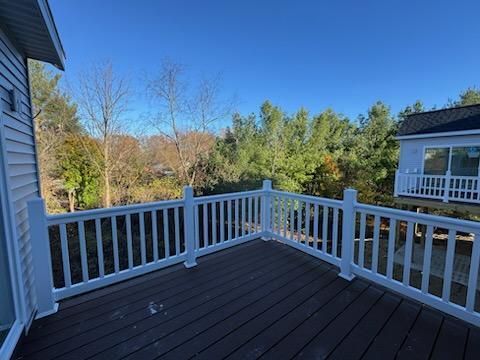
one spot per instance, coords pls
(465, 161)
(436, 161)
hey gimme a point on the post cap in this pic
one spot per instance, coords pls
(267, 184)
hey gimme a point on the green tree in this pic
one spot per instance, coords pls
(81, 179)
(377, 155)
(470, 96)
(55, 118)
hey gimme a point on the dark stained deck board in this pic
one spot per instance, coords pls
(170, 334)
(101, 315)
(472, 350)
(91, 300)
(140, 298)
(422, 337)
(394, 332)
(323, 331)
(360, 337)
(321, 308)
(256, 299)
(121, 329)
(243, 325)
(451, 340)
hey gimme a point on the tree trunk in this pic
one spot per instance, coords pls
(107, 197)
(106, 174)
(71, 201)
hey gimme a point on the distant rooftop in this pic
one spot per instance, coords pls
(459, 118)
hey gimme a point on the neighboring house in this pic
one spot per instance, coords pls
(439, 158)
(27, 30)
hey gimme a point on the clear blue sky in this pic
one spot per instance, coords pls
(317, 54)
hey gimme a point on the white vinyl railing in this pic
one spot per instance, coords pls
(419, 256)
(430, 258)
(442, 187)
(308, 223)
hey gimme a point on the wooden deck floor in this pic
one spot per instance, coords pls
(261, 299)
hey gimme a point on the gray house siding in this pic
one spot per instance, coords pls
(411, 150)
(20, 158)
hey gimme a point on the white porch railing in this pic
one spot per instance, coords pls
(79, 252)
(442, 187)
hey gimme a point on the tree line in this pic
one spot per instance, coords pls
(89, 156)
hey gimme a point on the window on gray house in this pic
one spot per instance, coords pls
(465, 161)
(436, 161)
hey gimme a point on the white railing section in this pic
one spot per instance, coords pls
(399, 252)
(308, 223)
(442, 187)
(105, 246)
(223, 220)
(402, 250)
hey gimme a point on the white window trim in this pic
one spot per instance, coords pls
(450, 146)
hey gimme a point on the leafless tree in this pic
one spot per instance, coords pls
(186, 117)
(103, 99)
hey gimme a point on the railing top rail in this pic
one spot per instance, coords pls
(428, 219)
(438, 176)
(228, 196)
(310, 198)
(84, 215)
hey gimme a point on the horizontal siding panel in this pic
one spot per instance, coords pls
(16, 158)
(13, 59)
(22, 192)
(25, 111)
(20, 123)
(21, 214)
(16, 147)
(18, 136)
(24, 183)
(23, 228)
(20, 59)
(9, 62)
(21, 128)
(21, 203)
(5, 87)
(21, 169)
(13, 80)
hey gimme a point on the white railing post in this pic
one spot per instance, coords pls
(396, 185)
(189, 227)
(348, 233)
(266, 222)
(446, 189)
(42, 258)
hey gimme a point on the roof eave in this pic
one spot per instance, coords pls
(438, 134)
(53, 33)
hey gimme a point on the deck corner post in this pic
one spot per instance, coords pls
(396, 184)
(348, 233)
(189, 224)
(265, 213)
(446, 189)
(42, 258)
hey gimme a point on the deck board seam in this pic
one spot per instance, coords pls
(324, 273)
(279, 318)
(316, 311)
(382, 327)
(348, 332)
(214, 310)
(247, 261)
(269, 261)
(157, 274)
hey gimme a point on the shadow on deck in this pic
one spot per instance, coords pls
(259, 299)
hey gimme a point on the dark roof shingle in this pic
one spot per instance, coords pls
(445, 120)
